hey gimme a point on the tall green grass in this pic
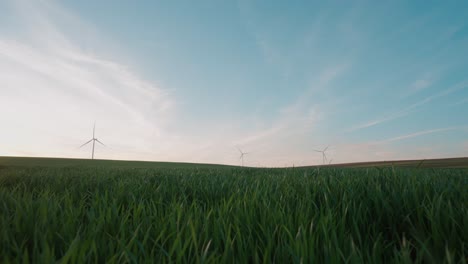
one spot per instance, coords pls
(76, 215)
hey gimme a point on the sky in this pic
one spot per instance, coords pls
(192, 81)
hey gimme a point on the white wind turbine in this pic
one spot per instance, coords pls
(94, 139)
(324, 156)
(242, 155)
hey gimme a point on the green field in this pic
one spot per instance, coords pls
(77, 211)
(80, 163)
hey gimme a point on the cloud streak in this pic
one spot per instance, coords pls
(409, 109)
(420, 133)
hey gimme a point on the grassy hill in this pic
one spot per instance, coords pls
(424, 163)
(63, 162)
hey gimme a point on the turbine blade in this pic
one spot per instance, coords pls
(317, 150)
(94, 129)
(239, 150)
(100, 142)
(85, 143)
(326, 148)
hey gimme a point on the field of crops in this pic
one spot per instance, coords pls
(234, 215)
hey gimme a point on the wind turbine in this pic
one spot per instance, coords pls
(242, 155)
(94, 139)
(324, 156)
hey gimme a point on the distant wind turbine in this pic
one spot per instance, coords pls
(324, 156)
(242, 155)
(94, 139)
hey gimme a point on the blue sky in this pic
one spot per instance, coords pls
(193, 80)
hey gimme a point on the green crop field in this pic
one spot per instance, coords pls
(77, 211)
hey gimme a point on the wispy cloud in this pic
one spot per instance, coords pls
(420, 133)
(463, 101)
(420, 84)
(385, 149)
(409, 109)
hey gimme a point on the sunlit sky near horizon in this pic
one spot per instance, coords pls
(192, 80)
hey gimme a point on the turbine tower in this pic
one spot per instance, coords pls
(242, 155)
(324, 156)
(94, 139)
